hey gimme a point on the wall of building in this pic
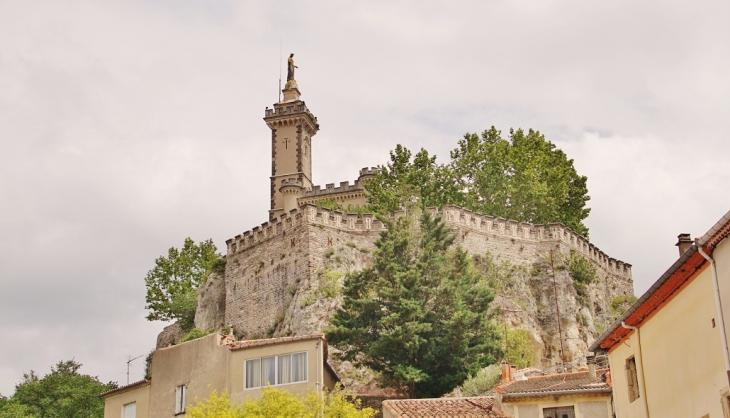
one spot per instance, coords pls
(585, 406)
(315, 370)
(199, 364)
(682, 358)
(113, 403)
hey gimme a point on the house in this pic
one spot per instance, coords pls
(474, 407)
(669, 350)
(582, 394)
(179, 374)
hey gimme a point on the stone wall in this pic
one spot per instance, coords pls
(278, 278)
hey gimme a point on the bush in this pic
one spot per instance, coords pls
(485, 379)
(582, 270)
(195, 333)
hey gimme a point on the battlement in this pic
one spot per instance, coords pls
(291, 182)
(368, 171)
(525, 231)
(451, 214)
(287, 109)
(330, 188)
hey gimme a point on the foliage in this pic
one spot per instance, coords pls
(62, 393)
(485, 380)
(525, 178)
(582, 270)
(196, 333)
(497, 274)
(621, 303)
(281, 404)
(521, 351)
(401, 182)
(173, 283)
(417, 316)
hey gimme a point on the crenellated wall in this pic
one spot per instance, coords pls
(273, 270)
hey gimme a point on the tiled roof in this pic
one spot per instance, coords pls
(238, 345)
(578, 382)
(480, 406)
(125, 388)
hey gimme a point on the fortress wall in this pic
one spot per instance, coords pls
(263, 273)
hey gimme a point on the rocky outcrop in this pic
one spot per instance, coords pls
(211, 311)
(171, 334)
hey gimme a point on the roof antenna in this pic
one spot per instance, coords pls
(130, 359)
(280, 70)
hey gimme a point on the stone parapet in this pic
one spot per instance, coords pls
(452, 215)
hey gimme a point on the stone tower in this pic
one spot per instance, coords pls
(292, 128)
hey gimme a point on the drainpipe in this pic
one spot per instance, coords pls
(641, 365)
(720, 316)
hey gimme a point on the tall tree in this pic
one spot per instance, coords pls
(62, 393)
(173, 283)
(418, 316)
(402, 180)
(525, 178)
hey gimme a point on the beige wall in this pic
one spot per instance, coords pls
(200, 364)
(113, 403)
(682, 358)
(314, 368)
(586, 406)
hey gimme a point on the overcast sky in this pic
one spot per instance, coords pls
(126, 126)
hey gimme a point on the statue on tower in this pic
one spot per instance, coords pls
(290, 68)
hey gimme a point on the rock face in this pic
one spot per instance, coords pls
(211, 311)
(169, 335)
(285, 277)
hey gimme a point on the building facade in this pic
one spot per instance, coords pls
(669, 351)
(179, 374)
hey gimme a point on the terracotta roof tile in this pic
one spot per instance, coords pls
(271, 341)
(480, 406)
(578, 382)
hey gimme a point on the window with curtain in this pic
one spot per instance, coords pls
(129, 410)
(277, 370)
(253, 373)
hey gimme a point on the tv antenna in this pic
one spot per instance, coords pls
(130, 359)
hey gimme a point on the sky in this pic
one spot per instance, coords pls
(126, 126)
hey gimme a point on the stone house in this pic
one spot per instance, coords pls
(179, 374)
(669, 350)
(583, 394)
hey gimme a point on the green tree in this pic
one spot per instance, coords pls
(172, 285)
(281, 404)
(62, 393)
(485, 380)
(520, 347)
(525, 178)
(401, 181)
(418, 315)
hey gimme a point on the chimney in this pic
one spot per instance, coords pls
(591, 361)
(506, 372)
(683, 242)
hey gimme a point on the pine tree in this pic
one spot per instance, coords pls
(418, 316)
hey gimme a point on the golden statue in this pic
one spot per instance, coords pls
(290, 68)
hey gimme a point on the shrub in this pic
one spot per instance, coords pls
(485, 379)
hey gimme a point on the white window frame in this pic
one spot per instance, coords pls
(276, 369)
(124, 407)
(180, 399)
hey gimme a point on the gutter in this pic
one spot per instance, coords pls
(641, 365)
(510, 396)
(720, 315)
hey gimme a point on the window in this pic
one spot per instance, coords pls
(180, 399)
(562, 412)
(276, 370)
(129, 410)
(632, 380)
